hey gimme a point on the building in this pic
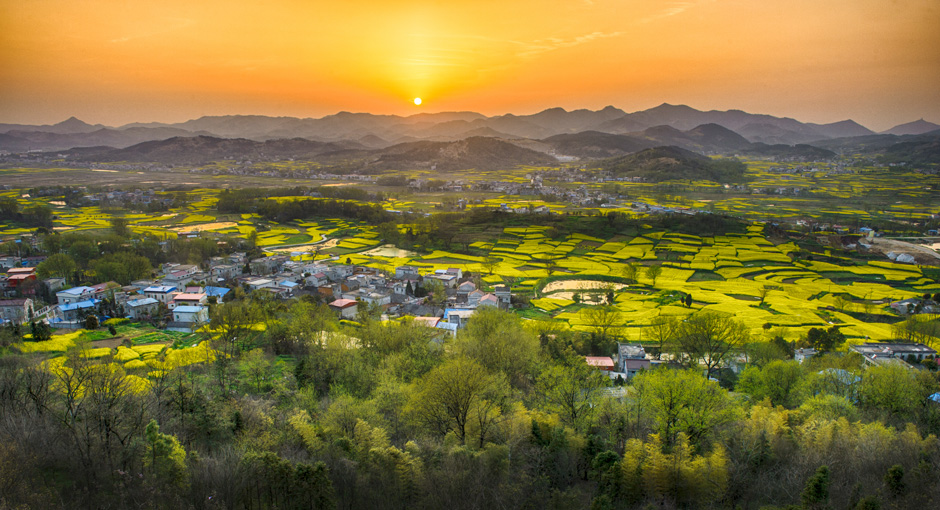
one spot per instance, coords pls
(191, 315)
(142, 308)
(75, 295)
(78, 311)
(162, 293)
(631, 358)
(875, 352)
(346, 308)
(600, 362)
(503, 293)
(187, 299)
(15, 310)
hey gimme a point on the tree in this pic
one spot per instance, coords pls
(688, 300)
(629, 271)
(489, 264)
(119, 226)
(779, 381)
(255, 367)
(498, 340)
(824, 340)
(602, 318)
(571, 389)
(122, 267)
(661, 331)
(165, 457)
(653, 272)
(710, 338)
(58, 265)
(816, 492)
(682, 401)
(458, 396)
(762, 293)
(91, 322)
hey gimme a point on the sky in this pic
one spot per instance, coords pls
(120, 61)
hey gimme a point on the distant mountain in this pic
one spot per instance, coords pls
(70, 125)
(672, 163)
(798, 152)
(918, 127)
(842, 129)
(596, 145)
(18, 140)
(922, 150)
(205, 149)
(475, 153)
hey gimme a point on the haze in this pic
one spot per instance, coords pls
(116, 61)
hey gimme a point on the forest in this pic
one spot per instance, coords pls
(286, 407)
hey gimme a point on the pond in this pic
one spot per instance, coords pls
(391, 251)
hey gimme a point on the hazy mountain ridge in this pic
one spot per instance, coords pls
(454, 125)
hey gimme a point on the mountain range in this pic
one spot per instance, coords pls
(466, 140)
(379, 131)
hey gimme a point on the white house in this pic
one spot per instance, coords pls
(74, 295)
(162, 293)
(15, 310)
(191, 315)
(143, 307)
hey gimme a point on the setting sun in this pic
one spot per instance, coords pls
(417, 100)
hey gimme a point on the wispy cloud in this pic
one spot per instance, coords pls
(171, 25)
(538, 46)
(673, 9)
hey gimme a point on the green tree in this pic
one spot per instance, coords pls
(602, 318)
(459, 396)
(662, 331)
(709, 338)
(894, 481)
(780, 381)
(653, 272)
(58, 265)
(816, 492)
(682, 401)
(91, 322)
(165, 457)
(256, 367)
(629, 271)
(119, 226)
(498, 340)
(571, 389)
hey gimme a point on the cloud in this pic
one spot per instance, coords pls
(536, 47)
(171, 25)
(673, 9)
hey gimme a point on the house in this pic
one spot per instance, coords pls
(449, 280)
(458, 316)
(79, 310)
(216, 292)
(876, 352)
(188, 317)
(18, 275)
(802, 355)
(631, 358)
(260, 283)
(407, 273)
(15, 310)
(430, 322)
(473, 298)
(54, 284)
(141, 308)
(162, 293)
(187, 299)
(74, 295)
(464, 290)
(503, 293)
(225, 271)
(346, 308)
(488, 300)
(178, 278)
(600, 362)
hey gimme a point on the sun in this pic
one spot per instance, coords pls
(417, 100)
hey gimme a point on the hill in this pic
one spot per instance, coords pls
(478, 153)
(204, 149)
(672, 163)
(918, 127)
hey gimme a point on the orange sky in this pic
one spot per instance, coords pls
(118, 61)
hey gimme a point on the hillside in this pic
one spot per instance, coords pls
(478, 153)
(672, 163)
(204, 149)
